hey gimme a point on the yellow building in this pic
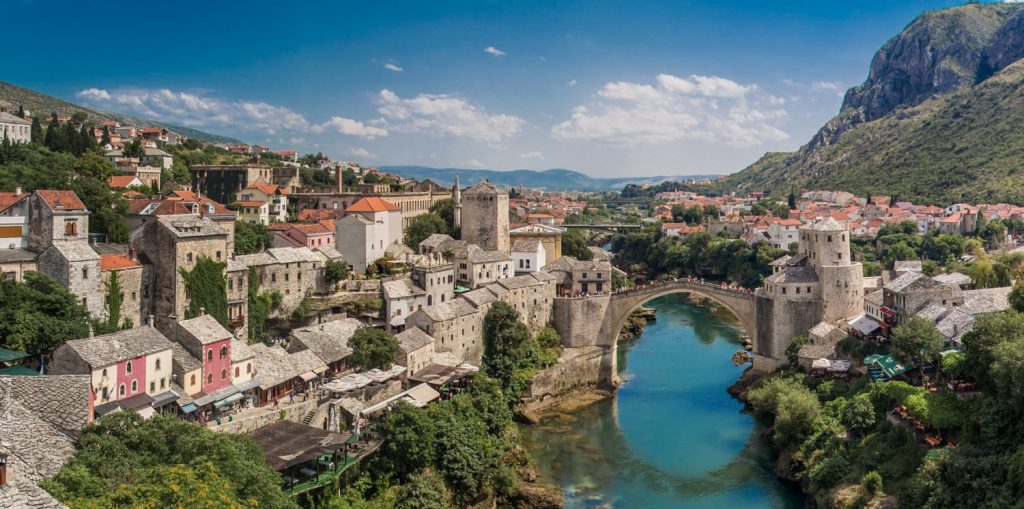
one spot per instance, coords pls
(549, 236)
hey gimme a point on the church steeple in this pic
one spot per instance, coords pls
(457, 202)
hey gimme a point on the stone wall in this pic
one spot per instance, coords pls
(294, 412)
(577, 369)
(579, 321)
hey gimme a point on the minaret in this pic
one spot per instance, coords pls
(457, 202)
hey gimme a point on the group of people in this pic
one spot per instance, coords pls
(691, 279)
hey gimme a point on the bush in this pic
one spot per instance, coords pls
(829, 473)
(872, 483)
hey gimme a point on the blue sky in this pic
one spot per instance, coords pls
(606, 88)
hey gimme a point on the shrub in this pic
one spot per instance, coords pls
(872, 483)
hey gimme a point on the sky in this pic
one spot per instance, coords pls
(610, 89)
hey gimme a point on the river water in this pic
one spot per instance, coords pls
(673, 437)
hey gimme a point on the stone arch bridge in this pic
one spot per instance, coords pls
(623, 303)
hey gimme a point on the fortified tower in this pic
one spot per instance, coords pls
(819, 284)
(485, 217)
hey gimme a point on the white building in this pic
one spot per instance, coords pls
(14, 128)
(783, 232)
(364, 234)
(527, 256)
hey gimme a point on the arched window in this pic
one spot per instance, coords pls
(430, 300)
(157, 365)
(237, 372)
(223, 374)
(193, 382)
(104, 374)
(135, 386)
(209, 354)
(71, 228)
(128, 367)
(248, 367)
(120, 390)
(209, 378)
(223, 351)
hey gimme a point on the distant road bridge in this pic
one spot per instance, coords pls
(618, 228)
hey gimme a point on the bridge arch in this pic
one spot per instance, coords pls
(623, 304)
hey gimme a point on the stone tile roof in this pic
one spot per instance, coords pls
(953, 278)
(481, 256)
(825, 224)
(812, 351)
(823, 330)
(25, 495)
(401, 288)
(275, 366)
(204, 329)
(955, 324)
(781, 261)
(16, 255)
(185, 360)
(568, 264)
(908, 281)
(876, 297)
(482, 188)
(7, 118)
(75, 251)
(294, 254)
(60, 400)
(437, 241)
(39, 448)
(480, 296)
(413, 339)
(449, 310)
(802, 274)
(543, 276)
(188, 226)
(329, 341)
(240, 351)
(536, 229)
(329, 253)
(932, 312)
(907, 265)
(108, 349)
(515, 282)
(526, 246)
(256, 259)
(988, 300)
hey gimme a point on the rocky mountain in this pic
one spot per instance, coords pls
(42, 104)
(939, 117)
(551, 180)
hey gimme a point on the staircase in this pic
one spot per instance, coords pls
(877, 375)
(308, 417)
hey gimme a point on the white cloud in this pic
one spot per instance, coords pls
(828, 86)
(707, 108)
(198, 110)
(361, 153)
(532, 155)
(350, 127)
(472, 163)
(491, 50)
(392, 67)
(571, 83)
(444, 115)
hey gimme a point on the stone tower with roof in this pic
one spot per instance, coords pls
(58, 229)
(819, 284)
(485, 217)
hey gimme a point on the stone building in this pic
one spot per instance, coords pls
(911, 292)
(183, 202)
(410, 204)
(484, 217)
(207, 340)
(578, 278)
(169, 244)
(58, 230)
(820, 284)
(370, 226)
(329, 341)
(527, 256)
(296, 273)
(15, 129)
(475, 267)
(437, 243)
(436, 276)
(131, 281)
(415, 350)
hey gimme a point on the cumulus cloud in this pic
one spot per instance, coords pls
(198, 110)
(350, 127)
(532, 155)
(444, 115)
(361, 153)
(673, 108)
(491, 50)
(392, 67)
(571, 83)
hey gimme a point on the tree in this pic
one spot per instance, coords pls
(53, 141)
(446, 209)
(251, 237)
(423, 491)
(37, 314)
(548, 337)
(793, 350)
(423, 226)
(37, 131)
(508, 352)
(133, 149)
(206, 288)
(792, 199)
(410, 446)
(954, 364)
(114, 297)
(574, 245)
(373, 348)
(1016, 297)
(795, 414)
(335, 270)
(165, 461)
(916, 339)
(859, 414)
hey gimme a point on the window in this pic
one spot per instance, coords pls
(218, 255)
(71, 228)
(223, 351)
(798, 290)
(273, 277)
(231, 284)
(783, 290)
(104, 374)
(209, 378)
(248, 367)
(120, 390)
(135, 386)
(209, 354)
(163, 383)
(157, 365)
(128, 367)
(223, 374)
(152, 386)
(286, 276)
(193, 380)
(237, 371)
(85, 272)
(188, 257)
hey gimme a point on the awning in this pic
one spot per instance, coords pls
(164, 398)
(864, 324)
(229, 400)
(251, 384)
(11, 355)
(18, 371)
(215, 396)
(189, 408)
(307, 376)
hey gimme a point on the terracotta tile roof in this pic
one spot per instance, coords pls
(8, 200)
(251, 203)
(312, 229)
(372, 204)
(61, 200)
(117, 262)
(320, 214)
(120, 181)
(268, 188)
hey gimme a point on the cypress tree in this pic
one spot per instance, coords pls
(37, 131)
(86, 140)
(53, 134)
(21, 111)
(105, 140)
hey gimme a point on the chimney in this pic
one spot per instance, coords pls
(149, 320)
(337, 176)
(202, 311)
(90, 330)
(17, 191)
(133, 256)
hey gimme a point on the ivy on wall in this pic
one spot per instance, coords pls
(206, 288)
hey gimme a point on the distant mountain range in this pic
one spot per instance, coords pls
(551, 180)
(938, 119)
(43, 105)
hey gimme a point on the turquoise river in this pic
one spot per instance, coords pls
(673, 437)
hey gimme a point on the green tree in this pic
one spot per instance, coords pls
(206, 289)
(423, 491)
(793, 350)
(859, 414)
(791, 201)
(872, 483)
(54, 141)
(446, 210)
(373, 348)
(133, 149)
(917, 339)
(575, 245)
(37, 131)
(260, 306)
(1016, 297)
(114, 297)
(411, 444)
(335, 270)
(37, 314)
(795, 414)
(423, 226)
(251, 238)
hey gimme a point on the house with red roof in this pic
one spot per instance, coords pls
(123, 273)
(123, 181)
(263, 203)
(369, 227)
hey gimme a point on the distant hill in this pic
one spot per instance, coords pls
(938, 119)
(42, 105)
(551, 180)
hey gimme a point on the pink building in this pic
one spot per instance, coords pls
(206, 339)
(313, 235)
(131, 377)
